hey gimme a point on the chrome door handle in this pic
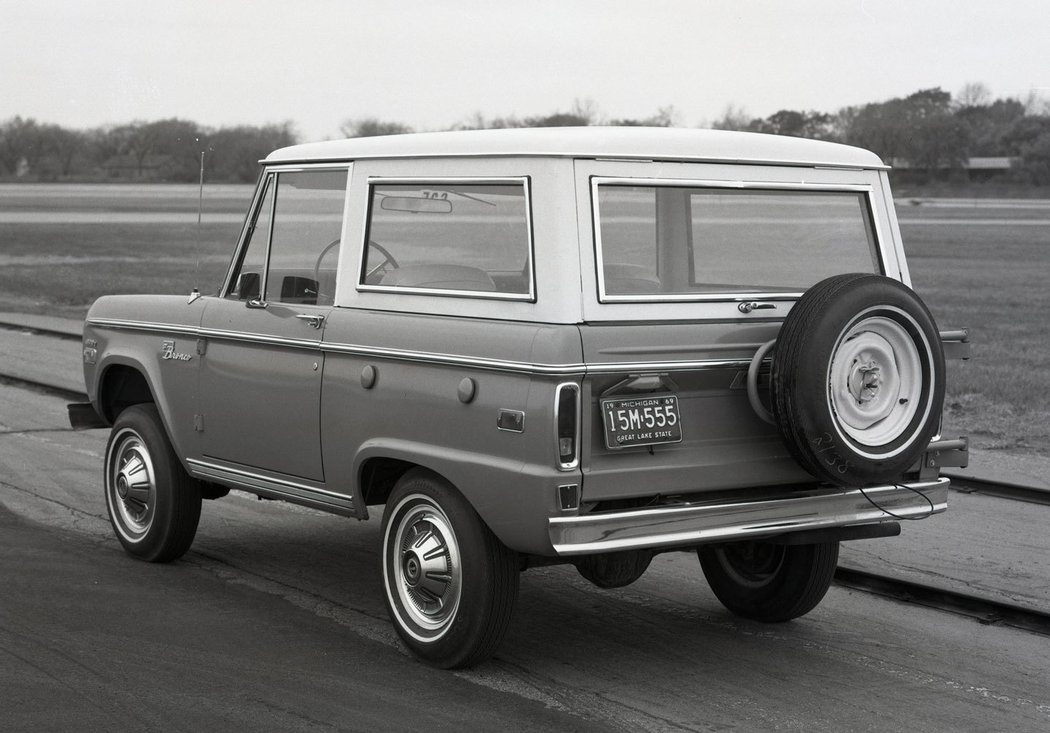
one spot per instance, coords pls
(315, 321)
(754, 305)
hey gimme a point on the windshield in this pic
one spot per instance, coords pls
(674, 242)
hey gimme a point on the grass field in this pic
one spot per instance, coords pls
(981, 264)
(986, 267)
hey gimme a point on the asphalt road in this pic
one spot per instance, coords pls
(275, 621)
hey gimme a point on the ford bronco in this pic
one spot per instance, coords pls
(584, 346)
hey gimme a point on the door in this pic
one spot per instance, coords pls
(262, 365)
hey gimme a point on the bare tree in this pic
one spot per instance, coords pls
(733, 118)
(973, 94)
(372, 126)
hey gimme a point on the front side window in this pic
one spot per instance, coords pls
(450, 237)
(680, 242)
(294, 242)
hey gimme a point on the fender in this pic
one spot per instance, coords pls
(503, 492)
(157, 337)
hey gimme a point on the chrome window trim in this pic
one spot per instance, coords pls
(264, 283)
(278, 171)
(250, 219)
(268, 176)
(866, 189)
(524, 181)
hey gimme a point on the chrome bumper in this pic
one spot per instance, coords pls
(698, 523)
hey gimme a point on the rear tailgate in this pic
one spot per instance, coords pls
(716, 442)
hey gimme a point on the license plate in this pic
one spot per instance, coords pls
(648, 420)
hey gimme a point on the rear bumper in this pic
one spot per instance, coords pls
(722, 521)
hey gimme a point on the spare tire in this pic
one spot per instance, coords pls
(858, 379)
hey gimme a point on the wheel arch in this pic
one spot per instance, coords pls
(120, 386)
(124, 382)
(377, 477)
(502, 492)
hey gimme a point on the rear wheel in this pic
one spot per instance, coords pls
(614, 569)
(451, 585)
(768, 582)
(154, 505)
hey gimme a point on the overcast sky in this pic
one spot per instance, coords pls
(432, 64)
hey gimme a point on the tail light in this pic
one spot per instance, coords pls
(567, 425)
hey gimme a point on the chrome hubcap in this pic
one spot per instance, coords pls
(425, 565)
(133, 486)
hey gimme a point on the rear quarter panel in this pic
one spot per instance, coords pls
(414, 412)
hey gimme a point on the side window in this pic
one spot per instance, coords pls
(450, 237)
(294, 246)
(247, 281)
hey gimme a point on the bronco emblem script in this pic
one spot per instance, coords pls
(167, 352)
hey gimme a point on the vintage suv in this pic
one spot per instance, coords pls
(582, 346)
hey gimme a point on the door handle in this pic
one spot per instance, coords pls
(315, 321)
(754, 306)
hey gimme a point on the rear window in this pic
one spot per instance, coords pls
(672, 242)
(452, 237)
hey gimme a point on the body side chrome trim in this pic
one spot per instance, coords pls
(259, 338)
(255, 481)
(533, 368)
(499, 365)
(126, 325)
(197, 332)
(693, 524)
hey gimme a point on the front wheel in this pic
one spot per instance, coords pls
(768, 582)
(451, 585)
(153, 504)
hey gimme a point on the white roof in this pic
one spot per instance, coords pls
(647, 143)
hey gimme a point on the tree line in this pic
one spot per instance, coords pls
(163, 150)
(927, 134)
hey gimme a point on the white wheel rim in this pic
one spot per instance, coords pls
(875, 380)
(422, 568)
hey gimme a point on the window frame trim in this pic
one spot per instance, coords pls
(867, 191)
(269, 176)
(526, 184)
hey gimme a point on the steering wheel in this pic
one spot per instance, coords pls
(317, 268)
(387, 263)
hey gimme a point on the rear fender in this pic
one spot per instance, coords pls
(508, 495)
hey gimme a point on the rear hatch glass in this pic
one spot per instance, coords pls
(664, 241)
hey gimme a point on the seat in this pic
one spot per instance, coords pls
(439, 277)
(624, 279)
